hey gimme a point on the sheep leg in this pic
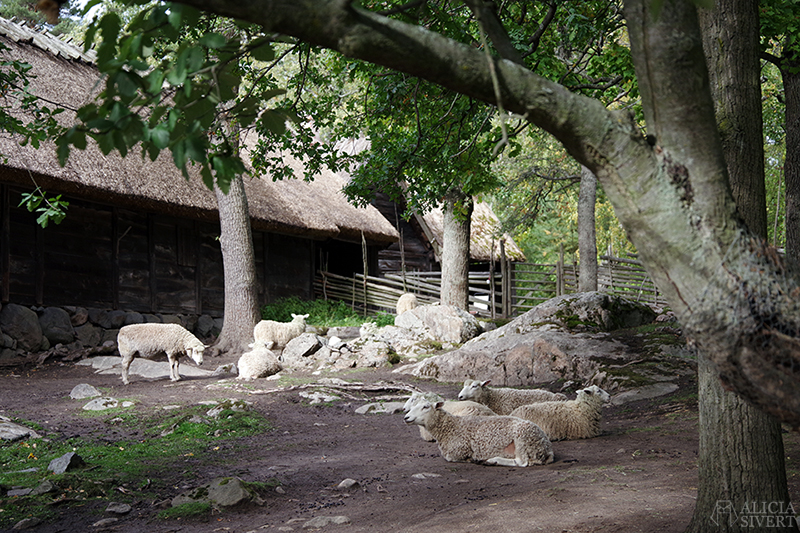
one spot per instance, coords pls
(505, 461)
(127, 359)
(173, 367)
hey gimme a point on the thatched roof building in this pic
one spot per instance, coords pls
(120, 201)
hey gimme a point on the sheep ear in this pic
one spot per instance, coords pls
(588, 391)
(484, 383)
(439, 405)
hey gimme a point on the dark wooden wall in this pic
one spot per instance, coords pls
(121, 258)
(419, 256)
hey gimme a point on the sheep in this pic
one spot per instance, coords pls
(148, 340)
(270, 333)
(406, 302)
(259, 362)
(503, 401)
(482, 439)
(465, 408)
(572, 419)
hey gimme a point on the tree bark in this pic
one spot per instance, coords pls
(457, 211)
(238, 261)
(587, 236)
(732, 293)
(790, 72)
(741, 457)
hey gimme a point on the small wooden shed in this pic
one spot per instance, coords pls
(139, 236)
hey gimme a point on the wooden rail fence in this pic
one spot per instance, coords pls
(517, 288)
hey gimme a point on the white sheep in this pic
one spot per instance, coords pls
(148, 340)
(572, 419)
(270, 333)
(483, 439)
(406, 302)
(503, 401)
(259, 362)
(455, 408)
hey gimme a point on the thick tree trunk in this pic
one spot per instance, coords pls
(587, 236)
(455, 250)
(238, 260)
(790, 70)
(741, 458)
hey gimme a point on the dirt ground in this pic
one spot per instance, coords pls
(639, 475)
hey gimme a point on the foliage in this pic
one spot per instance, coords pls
(25, 11)
(325, 313)
(186, 510)
(52, 209)
(165, 441)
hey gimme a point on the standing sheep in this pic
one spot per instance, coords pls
(148, 340)
(573, 419)
(483, 439)
(270, 333)
(503, 401)
(406, 302)
(465, 408)
(259, 362)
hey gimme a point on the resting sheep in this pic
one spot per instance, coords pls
(270, 333)
(503, 401)
(465, 408)
(482, 439)
(406, 302)
(259, 362)
(572, 419)
(148, 340)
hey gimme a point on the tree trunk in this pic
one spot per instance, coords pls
(587, 237)
(790, 71)
(741, 458)
(457, 211)
(238, 261)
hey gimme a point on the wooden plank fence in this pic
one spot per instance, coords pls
(517, 288)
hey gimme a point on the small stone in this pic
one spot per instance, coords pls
(424, 475)
(27, 523)
(322, 521)
(18, 492)
(280, 490)
(83, 391)
(43, 488)
(347, 483)
(101, 404)
(105, 522)
(66, 462)
(118, 508)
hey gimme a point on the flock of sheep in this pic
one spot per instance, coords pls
(486, 425)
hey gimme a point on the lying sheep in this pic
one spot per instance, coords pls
(503, 401)
(406, 302)
(259, 362)
(482, 439)
(573, 419)
(270, 333)
(148, 340)
(465, 408)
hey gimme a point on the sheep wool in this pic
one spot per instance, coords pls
(259, 362)
(406, 302)
(270, 333)
(455, 408)
(572, 419)
(483, 439)
(503, 401)
(147, 340)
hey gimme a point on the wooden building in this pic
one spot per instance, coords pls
(138, 236)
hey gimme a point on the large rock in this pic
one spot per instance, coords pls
(22, 324)
(56, 326)
(445, 323)
(107, 319)
(223, 491)
(543, 346)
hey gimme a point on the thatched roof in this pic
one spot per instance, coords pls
(485, 236)
(66, 76)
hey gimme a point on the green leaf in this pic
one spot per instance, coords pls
(273, 122)
(208, 178)
(263, 53)
(160, 136)
(127, 83)
(213, 40)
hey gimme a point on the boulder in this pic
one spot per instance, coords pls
(89, 335)
(298, 351)
(22, 324)
(223, 492)
(107, 319)
(56, 326)
(445, 323)
(205, 325)
(77, 315)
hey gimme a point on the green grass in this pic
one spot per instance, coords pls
(186, 510)
(119, 469)
(324, 313)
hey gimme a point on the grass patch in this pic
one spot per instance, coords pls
(122, 469)
(324, 313)
(186, 510)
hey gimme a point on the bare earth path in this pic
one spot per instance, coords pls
(640, 475)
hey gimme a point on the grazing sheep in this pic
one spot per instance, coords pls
(259, 362)
(406, 302)
(270, 333)
(503, 401)
(465, 408)
(573, 419)
(482, 439)
(148, 340)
